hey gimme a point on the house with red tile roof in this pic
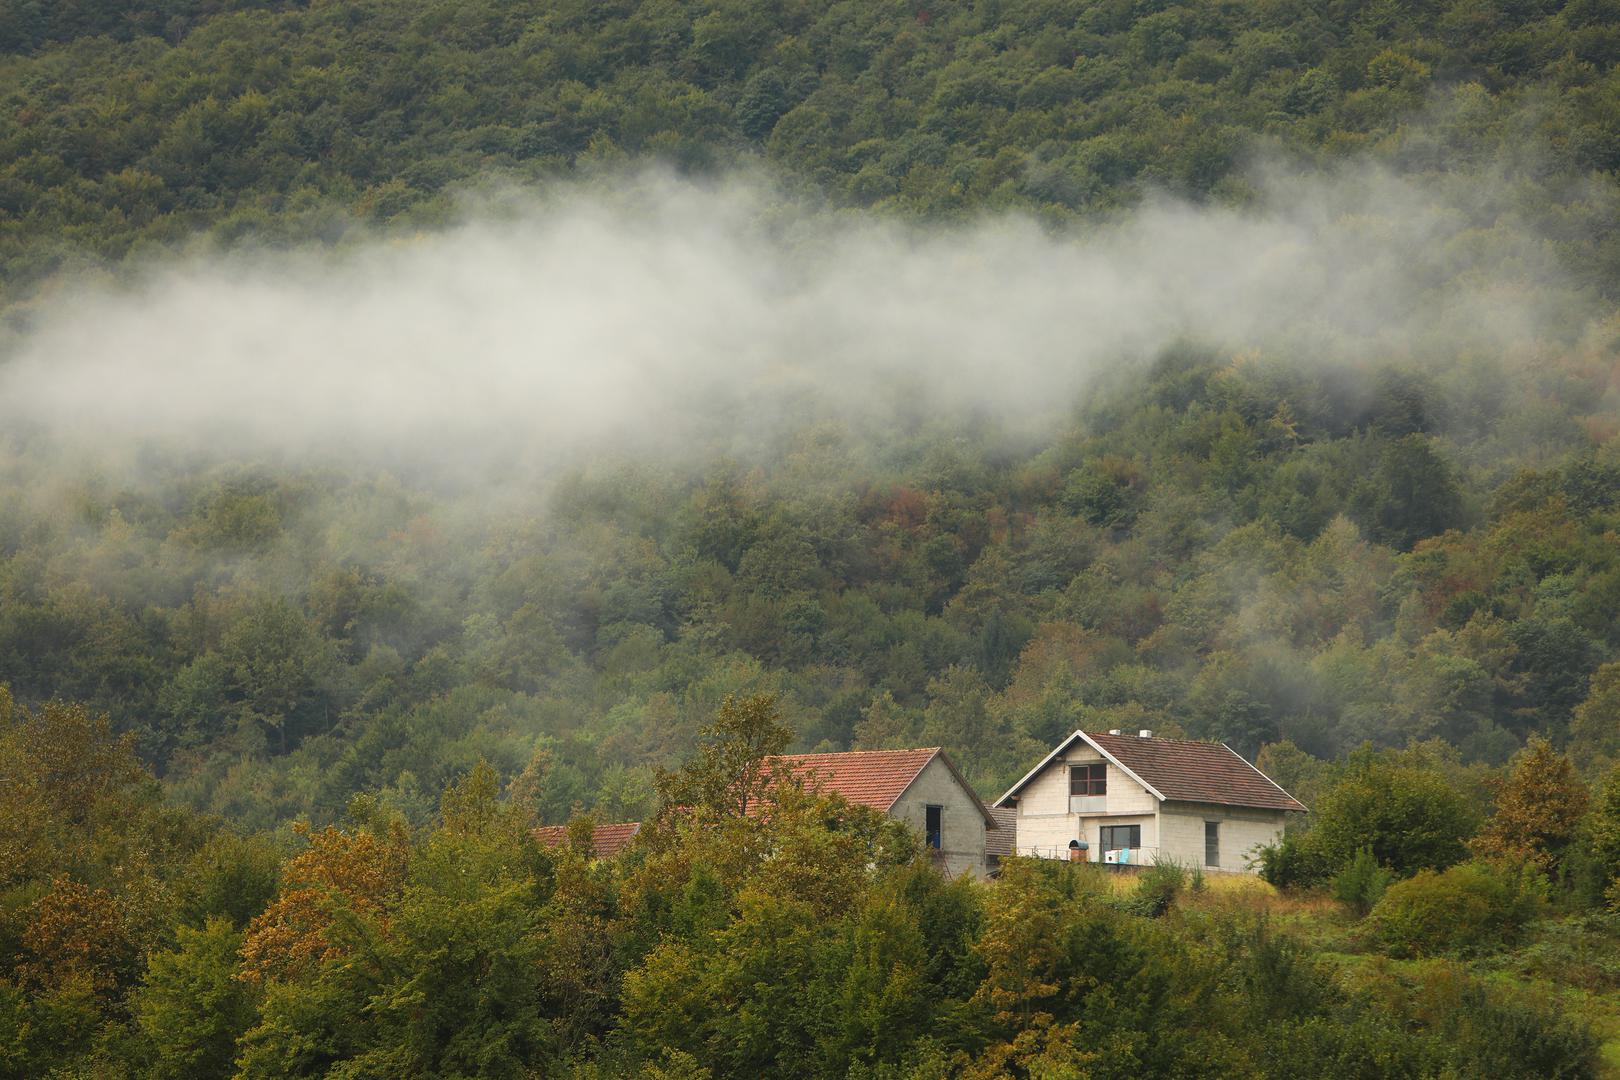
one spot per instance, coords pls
(606, 840)
(922, 787)
(1116, 797)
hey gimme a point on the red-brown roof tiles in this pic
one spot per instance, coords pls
(874, 778)
(606, 840)
(1196, 771)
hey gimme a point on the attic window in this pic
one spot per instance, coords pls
(935, 826)
(1088, 779)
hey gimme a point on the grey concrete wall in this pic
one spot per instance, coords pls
(1243, 831)
(962, 826)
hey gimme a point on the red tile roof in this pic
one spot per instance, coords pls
(1002, 840)
(1195, 771)
(875, 778)
(606, 840)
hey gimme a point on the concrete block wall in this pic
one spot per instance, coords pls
(1243, 831)
(961, 825)
(1045, 822)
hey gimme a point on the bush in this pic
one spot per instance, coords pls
(1361, 884)
(1512, 1036)
(1411, 817)
(1464, 908)
(1292, 864)
(1156, 890)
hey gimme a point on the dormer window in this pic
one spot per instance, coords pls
(1088, 780)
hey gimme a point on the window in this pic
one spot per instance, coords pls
(1212, 843)
(1088, 779)
(934, 826)
(1115, 837)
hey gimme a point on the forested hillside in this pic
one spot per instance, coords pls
(128, 127)
(419, 418)
(1208, 554)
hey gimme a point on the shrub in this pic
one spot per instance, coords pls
(1464, 908)
(1411, 818)
(1156, 890)
(1513, 1036)
(1292, 864)
(1406, 813)
(1362, 883)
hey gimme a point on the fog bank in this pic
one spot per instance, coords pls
(655, 315)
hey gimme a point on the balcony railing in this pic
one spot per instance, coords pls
(1142, 856)
(1137, 856)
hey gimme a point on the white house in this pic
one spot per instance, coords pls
(1139, 799)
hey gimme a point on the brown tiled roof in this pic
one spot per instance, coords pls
(1195, 771)
(875, 778)
(1003, 839)
(606, 840)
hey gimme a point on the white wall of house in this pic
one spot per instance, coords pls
(962, 825)
(1242, 832)
(1048, 818)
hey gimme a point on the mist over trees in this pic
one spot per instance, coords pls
(1218, 549)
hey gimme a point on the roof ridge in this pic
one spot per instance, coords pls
(1158, 738)
(851, 753)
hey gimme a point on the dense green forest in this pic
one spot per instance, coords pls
(130, 127)
(278, 725)
(806, 938)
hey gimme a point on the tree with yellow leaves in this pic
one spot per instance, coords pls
(1539, 806)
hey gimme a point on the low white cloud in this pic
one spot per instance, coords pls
(657, 314)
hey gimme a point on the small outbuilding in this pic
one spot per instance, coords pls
(920, 787)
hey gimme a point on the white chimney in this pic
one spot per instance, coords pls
(1145, 733)
(1115, 731)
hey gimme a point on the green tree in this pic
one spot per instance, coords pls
(1413, 495)
(1409, 817)
(191, 1007)
(1594, 730)
(1603, 825)
(732, 768)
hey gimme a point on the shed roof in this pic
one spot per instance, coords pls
(875, 778)
(1003, 839)
(1178, 770)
